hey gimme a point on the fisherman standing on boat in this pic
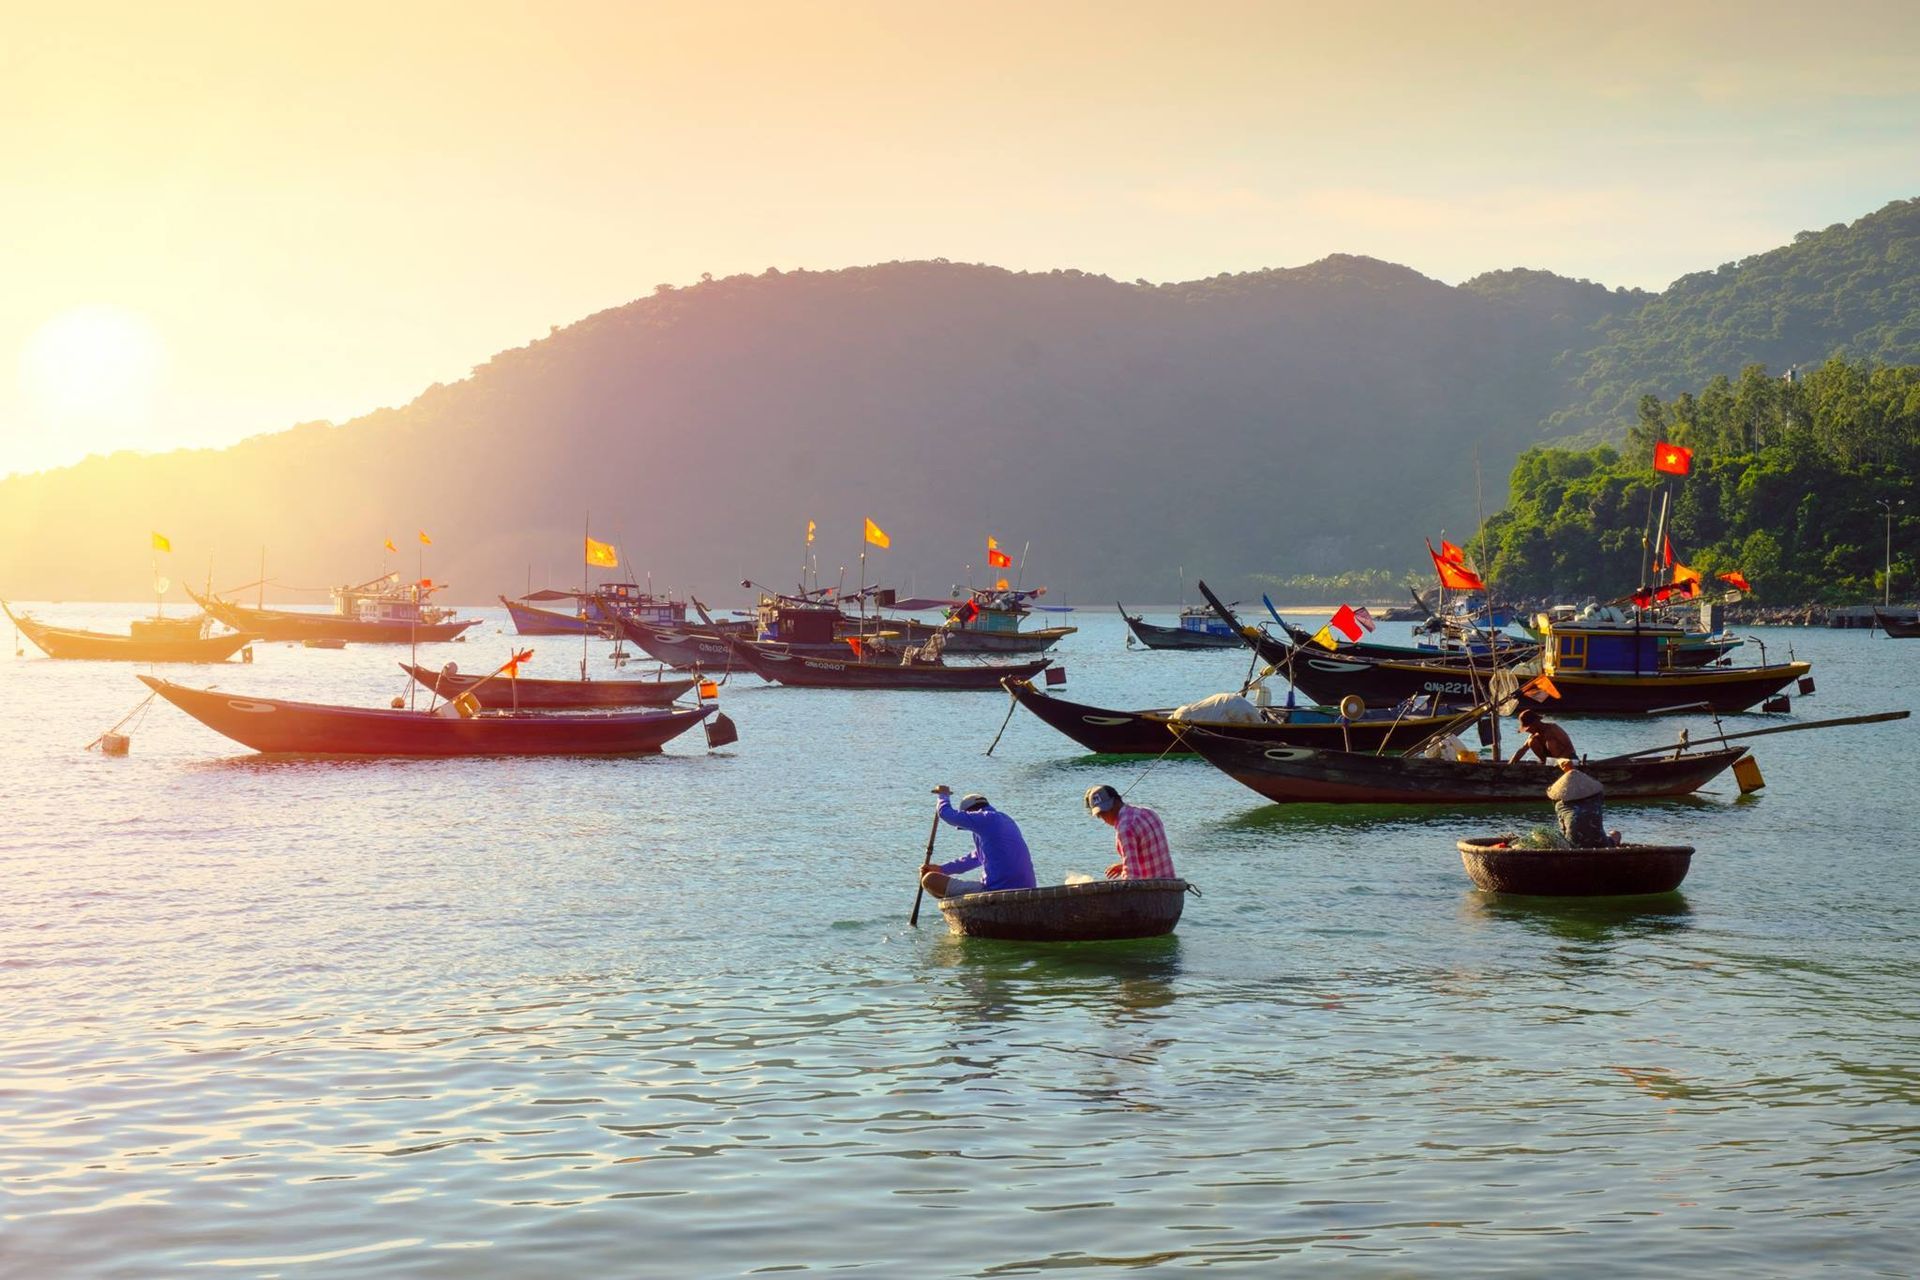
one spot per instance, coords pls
(1544, 738)
(997, 845)
(1138, 837)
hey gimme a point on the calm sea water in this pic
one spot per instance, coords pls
(664, 1016)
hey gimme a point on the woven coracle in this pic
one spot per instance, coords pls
(1614, 870)
(1096, 911)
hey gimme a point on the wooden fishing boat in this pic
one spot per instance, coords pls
(1098, 911)
(171, 640)
(1611, 871)
(985, 621)
(277, 726)
(1896, 626)
(550, 695)
(529, 620)
(355, 619)
(1108, 732)
(687, 648)
(785, 666)
(1311, 775)
(593, 610)
(1194, 632)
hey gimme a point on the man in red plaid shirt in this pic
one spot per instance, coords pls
(1137, 836)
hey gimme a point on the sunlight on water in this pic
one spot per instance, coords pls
(665, 1016)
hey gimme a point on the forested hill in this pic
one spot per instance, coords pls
(1291, 421)
(1850, 290)
(1316, 417)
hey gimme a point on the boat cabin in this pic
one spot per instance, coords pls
(1203, 620)
(1604, 646)
(626, 599)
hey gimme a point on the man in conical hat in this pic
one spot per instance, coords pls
(1577, 803)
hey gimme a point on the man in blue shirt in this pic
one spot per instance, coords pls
(997, 845)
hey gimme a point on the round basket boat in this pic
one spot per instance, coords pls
(1100, 910)
(1615, 870)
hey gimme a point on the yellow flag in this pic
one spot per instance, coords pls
(993, 543)
(809, 531)
(1324, 638)
(160, 543)
(602, 554)
(878, 536)
(390, 545)
(425, 539)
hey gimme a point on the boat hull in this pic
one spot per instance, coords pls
(529, 621)
(1724, 689)
(285, 624)
(277, 727)
(1307, 775)
(1099, 911)
(1897, 627)
(810, 671)
(552, 695)
(70, 643)
(962, 639)
(1121, 733)
(683, 648)
(1614, 871)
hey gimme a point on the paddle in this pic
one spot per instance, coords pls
(919, 889)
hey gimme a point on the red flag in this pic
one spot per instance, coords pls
(1346, 622)
(853, 643)
(1455, 575)
(1451, 554)
(1666, 549)
(1673, 459)
(968, 612)
(996, 558)
(1735, 578)
(1643, 598)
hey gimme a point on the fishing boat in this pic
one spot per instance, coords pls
(379, 611)
(784, 666)
(1108, 732)
(594, 610)
(535, 694)
(1313, 775)
(148, 640)
(1096, 911)
(1609, 670)
(983, 621)
(1697, 646)
(688, 648)
(1896, 626)
(1495, 864)
(1198, 629)
(277, 726)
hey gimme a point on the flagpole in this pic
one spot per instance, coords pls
(586, 584)
(1020, 575)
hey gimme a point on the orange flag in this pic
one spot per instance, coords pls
(996, 558)
(425, 540)
(390, 545)
(1455, 575)
(602, 554)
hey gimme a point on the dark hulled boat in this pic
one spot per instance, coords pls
(1894, 625)
(277, 726)
(148, 640)
(1194, 632)
(1308, 775)
(1107, 732)
(506, 692)
(357, 618)
(529, 620)
(688, 648)
(783, 666)
(1619, 870)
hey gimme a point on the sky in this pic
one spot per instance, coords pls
(223, 219)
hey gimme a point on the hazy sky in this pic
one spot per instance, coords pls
(224, 219)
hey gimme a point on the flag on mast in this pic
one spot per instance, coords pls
(878, 536)
(602, 554)
(425, 541)
(390, 546)
(810, 527)
(996, 558)
(1675, 460)
(162, 543)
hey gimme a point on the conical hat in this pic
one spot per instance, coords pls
(1573, 785)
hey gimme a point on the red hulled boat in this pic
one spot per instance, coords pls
(150, 640)
(507, 692)
(277, 726)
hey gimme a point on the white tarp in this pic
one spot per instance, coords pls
(1221, 708)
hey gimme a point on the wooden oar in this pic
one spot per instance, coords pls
(919, 888)
(1875, 718)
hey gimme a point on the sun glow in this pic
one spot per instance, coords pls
(91, 374)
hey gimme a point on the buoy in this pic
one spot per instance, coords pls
(1746, 771)
(1353, 706)
(114, 744)
(708, 689)
(399, 703)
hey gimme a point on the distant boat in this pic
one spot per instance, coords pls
(770, 662)
(505, 692)
(371, 613)
(1310, 775)
(1198, 629)
(148, 640)
(1896, 626)
(985, 621)
(277, 726)
(595, 611)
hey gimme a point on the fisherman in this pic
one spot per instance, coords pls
(1138, 837)
(1544, 738)
(997, 845)
(1576, 802)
